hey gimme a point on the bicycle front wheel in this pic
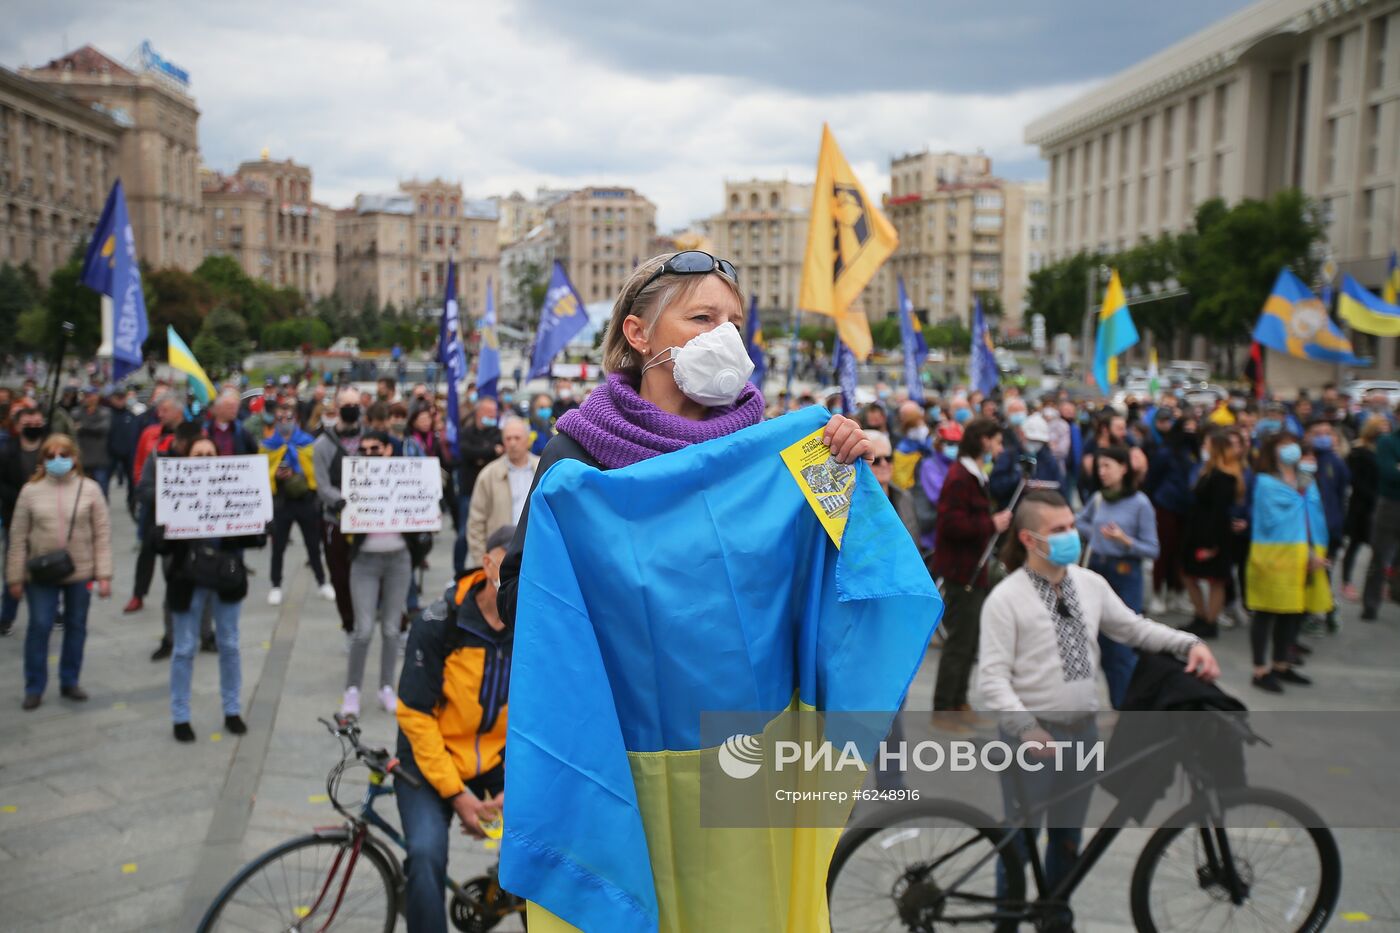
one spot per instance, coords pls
(1265, 866)
(925, 866)
(309, 883)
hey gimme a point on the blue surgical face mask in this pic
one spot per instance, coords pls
(1289, 454)
(59, 466)
(1322, 442)
(962, 415)
(488, 422)
(935, 413)
(1308, 466)
(950, 451)
(1270, 425)
(543, 412)
(471, 397)
(1063, 548)
(1016, 419)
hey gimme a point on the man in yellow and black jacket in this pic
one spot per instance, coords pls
(452, 728)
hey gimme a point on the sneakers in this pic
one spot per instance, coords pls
(1155, 605)
(74, 693)
(1234, 615)
(235, 724)
(133, 605)
(388, 700)
(1268, 683)
(162, 651)
(1313, 628)
(350, 703)
(183, 732)
(327, 592)
(31, 701)
(274, 596)
(1209, 631)
(1180, 602)
(1290, 676)
(6, 629)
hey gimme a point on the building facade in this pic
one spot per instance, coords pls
(395, 249)
(600, 234)
(58, 158)
(264, 217)
(158, 155)
(1287, 93)
(527, 259)
(961, 236)
(763, 231)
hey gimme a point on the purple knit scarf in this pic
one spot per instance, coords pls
(619, 428)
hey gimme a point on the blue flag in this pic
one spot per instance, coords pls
(452, 357)
(982, 363)
(845, 362)
(561, 317)
(753, 338)
(110, 267)
(488, 363)
(915, 349)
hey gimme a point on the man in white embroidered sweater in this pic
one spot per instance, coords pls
(1039, 660)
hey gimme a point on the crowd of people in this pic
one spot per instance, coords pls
(1232, 515)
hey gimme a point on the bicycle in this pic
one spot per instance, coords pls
(1251, 858)
(312, 883)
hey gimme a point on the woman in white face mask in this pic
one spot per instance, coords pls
(677, 374)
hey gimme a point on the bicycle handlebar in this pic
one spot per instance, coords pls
(378, 760)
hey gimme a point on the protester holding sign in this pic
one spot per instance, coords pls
(205, 572)
(293, 477)
(380, 563)
(60, 541)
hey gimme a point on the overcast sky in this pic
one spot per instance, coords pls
(671, 99)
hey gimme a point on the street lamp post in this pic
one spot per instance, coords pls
(1097, 273)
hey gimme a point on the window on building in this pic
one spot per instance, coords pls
(1331, 140)
(1168, 132)
(1069, 170)
(753, 201)
(1164, 208)
(734, 202)
(988, 200)
(1222, 112)
(1373, 139)
(774, 200)
(1217, 175)
(1084, 217)
(1125, 140)
(1379, 43)
(1334, 69)
(1145, 141)
(423, 206)
(1144, 192)
(1105, 144)
(1088, 164)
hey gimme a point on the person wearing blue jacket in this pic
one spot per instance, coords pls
(121, 443)
(1171, 475)
(1333, 480)
(1025, 439)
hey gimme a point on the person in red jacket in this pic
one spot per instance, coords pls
(966, 525)
(155, 437)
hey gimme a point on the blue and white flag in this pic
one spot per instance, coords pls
(452, 357)
(110, 267)
(488, 362)
(915, 349)
(845, 362)
(561, 317)
(982, 363)
(753, 340)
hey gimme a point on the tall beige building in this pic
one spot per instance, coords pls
(374, 251)
(763, 231)
(377, 262)
(1286, 93)
(158, 156)
(58, 159)
(519, 215)
(600, 234)
(961, 235)
(264, 217)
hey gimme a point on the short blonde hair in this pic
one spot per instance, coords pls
(647, 304)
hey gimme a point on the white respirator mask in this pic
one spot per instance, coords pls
(712, 368)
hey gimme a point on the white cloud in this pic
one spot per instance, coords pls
(368, 97)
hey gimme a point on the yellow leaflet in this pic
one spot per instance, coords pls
(826, 484)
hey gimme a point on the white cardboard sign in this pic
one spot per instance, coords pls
(386, 494)
(213, 497)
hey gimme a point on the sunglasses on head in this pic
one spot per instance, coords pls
(691, 262)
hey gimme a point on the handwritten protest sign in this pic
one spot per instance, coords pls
(213, 497)
(391, 494)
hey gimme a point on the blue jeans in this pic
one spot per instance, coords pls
(43, 612)
(426, 819)
(1118, 660)
(185, 629)
(1022, 791)
(459, 550)
(103, 477)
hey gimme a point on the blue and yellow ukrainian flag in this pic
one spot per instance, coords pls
(182, 359)
(1391, 291)
(718, 590)
(1286, 527)
(1296, 323)
(1116, 334)
(1366, 312)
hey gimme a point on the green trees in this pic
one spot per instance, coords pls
(1227, 262)
(222, 342)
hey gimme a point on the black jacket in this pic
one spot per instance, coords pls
(560, 447)
(1160, 684)
(126, 430)
(478, 447)
(179, 588)
(12, 478)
